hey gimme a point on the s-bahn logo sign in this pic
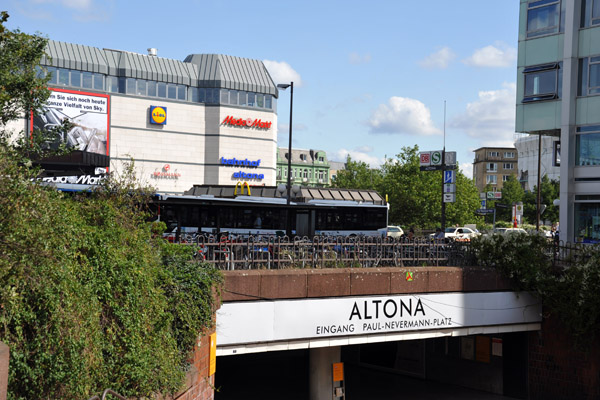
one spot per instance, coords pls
(246, 122)
(158, 115)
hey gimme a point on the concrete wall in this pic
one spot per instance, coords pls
(292, 284)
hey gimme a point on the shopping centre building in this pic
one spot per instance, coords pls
(210, 119)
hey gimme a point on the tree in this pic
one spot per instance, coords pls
(357, 175)
(550, 191)
(21, 89)
(415, 195)
(512, 192)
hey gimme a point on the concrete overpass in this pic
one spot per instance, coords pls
(324, 310)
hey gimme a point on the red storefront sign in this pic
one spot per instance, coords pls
(249, 122)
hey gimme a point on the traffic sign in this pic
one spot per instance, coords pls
(436, 157)
(483, 204)
(449, 197)
(449, 177)
(425, 158)
(494, 195)
(449, 188)
(450, 158)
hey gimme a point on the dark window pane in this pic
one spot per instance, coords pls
(172, 91)
(540, 83)
(233, 97)
(251, 99)
(594, 76)
(201, 95)
(181, 92)
(587, 149)
(87, 81)
(162, 89)
(76, 78)
(141, 87)
(63, 77)
(260, 100)
(151, 88)
(53, 75)
(268, 101)
(98, 81)
(112, 84)
(131, 86)
(224, 96)
(543, 20)
(242, 98)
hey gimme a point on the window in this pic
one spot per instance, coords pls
(251, 99)
(305, 174)
(152, 88)
(490, 179)
(321, 159)
(162, 89)
(268, 101)
(508, 166)
(590, 13)
(98, 82)
(112, 84)
(141, 87)
(76, 78)
(543, 17)
(542, 82)
(491, 167)
(181, 92)
(509, 154)
(171, 91)
(130, 82)
(224, 96)
(233, 97)
(493, 154)
(587, 146)
(505, 177)
(303, 157)
(63, 77)
(260, 100)
(587, 222)
(589, 76)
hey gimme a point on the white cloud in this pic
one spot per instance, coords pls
(466, 169)
(498, 55)
(491, 118)
(440, 59)
(356, 58)
(356, 155)
(282, 72)
(402, 115)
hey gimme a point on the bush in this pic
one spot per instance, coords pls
(89, 297)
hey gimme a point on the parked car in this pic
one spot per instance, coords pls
(459, 233)
(510, 230)
(394, 231)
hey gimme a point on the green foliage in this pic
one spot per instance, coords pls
(89, 297)
(512, 192)
(570, 293)
(415, 196)
(357, 175)
(550, 190)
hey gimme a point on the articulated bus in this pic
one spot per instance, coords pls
(248, 215)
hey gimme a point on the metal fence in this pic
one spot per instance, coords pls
(272, 252)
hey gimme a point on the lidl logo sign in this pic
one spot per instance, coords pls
(158, 115)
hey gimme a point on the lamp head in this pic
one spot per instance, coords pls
(283, 86)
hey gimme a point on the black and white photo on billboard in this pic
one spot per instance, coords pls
(88, 116)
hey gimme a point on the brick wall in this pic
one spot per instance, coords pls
(200, 385)
(557, 370)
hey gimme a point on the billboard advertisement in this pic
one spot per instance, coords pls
(88, 112)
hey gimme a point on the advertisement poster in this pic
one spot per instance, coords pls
(89, 113)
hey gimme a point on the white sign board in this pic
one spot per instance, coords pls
(264, 321)
(449, 197)
(450, 158)
(425, 158)
(449, 188)
(436, 157)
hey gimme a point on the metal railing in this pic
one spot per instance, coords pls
(272, 252)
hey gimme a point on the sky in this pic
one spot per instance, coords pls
(370, 77)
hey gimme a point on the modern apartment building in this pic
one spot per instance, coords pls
(492, 166)
(558, 87)
(309, 167)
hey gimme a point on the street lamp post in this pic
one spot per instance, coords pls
(284, 86)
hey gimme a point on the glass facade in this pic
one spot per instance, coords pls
(543, 17)
(587, 146)
(587, 222)
(146, 88)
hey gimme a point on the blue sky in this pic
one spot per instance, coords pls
(369, 77)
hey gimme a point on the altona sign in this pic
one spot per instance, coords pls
(264, 321)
